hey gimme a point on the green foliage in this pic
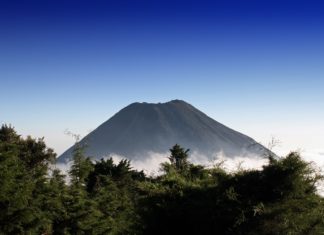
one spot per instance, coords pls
(23, 176)
(105, 197)
(113, 186)
(280, 199)
(179, 158)
(81, 167)
(55, 203)
(290, 177)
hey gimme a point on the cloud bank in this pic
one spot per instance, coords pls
(150, 163)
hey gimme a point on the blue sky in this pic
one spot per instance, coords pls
(256, 66)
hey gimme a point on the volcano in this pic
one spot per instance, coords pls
(143, 128)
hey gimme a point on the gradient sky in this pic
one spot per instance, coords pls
(255, 66)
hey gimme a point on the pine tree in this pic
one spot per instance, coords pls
(21, 183)
(179, 158)
(84, 217)
(81, 167)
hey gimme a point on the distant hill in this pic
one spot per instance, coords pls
(144, 127)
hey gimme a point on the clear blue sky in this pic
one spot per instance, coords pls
(256, 66)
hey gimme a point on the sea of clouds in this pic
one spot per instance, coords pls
(150, 163)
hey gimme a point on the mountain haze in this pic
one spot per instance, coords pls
(141, 128)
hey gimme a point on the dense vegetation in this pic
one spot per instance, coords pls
(105, 197)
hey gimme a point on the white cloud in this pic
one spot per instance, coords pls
(229, 163)
(151, 161)
(316, 156)
(150, 164)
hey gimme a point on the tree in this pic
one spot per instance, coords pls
(81, 166)
(111, 198)
(179, 157)
(178, 160)
(23, 179)
(113, 187)
(55, 207)
(8, 134)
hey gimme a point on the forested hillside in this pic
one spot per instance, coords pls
(107, 197)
